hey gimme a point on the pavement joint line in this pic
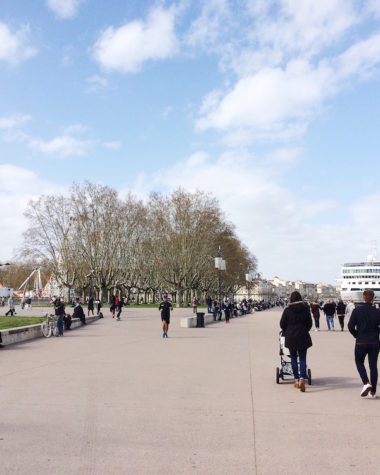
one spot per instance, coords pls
(250, 355)
(302, 413)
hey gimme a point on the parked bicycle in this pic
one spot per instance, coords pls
(49, 327)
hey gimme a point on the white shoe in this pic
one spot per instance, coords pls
(366, 389)
(372, 395)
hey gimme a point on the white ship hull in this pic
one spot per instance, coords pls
(359, 276)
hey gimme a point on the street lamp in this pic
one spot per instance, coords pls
(220, 264)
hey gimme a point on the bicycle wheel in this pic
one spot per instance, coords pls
(54, 330)
(46, 330)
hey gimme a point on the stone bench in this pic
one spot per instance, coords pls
(191, 322)
(29, 332)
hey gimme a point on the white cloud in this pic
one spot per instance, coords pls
(265, 102)
(76, 128)
(207, 29)
(14, 121)
(307, 26)
(373, 7)
(113, 145)
(125, 49)
(14, 47)
(279, 102)
(17, 186)
(96, 83)
(64, 9)
(360, 59)
(62, 146)
(284, 156)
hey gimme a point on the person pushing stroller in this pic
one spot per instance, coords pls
(296, 324)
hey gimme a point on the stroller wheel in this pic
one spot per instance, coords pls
(309, 377)
(278, 375)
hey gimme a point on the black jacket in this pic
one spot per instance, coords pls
(296, 324)
(79, 313)
(59, 308)
(329, 309)
(341, 308)
(364, 323)
(315, 310)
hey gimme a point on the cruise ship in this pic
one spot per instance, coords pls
(358, 276)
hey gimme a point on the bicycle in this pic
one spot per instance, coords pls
(49, 327)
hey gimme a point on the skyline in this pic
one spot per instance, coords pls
(271, 106)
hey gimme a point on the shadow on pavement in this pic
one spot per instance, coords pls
(334, 382)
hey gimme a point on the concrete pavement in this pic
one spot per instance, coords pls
(115, 398)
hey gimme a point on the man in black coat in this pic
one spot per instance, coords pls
(329, 309)
(364, 325)
(341, 312)
(79, 313)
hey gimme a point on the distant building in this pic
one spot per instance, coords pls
(274, 289)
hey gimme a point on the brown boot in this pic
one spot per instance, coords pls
(302, 385)
(296, 384)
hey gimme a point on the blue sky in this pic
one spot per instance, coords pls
(272, 106)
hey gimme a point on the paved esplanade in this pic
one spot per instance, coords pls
(115, 398)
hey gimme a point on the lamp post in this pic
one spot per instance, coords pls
(220, 264)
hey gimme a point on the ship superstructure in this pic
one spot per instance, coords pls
(358, 276)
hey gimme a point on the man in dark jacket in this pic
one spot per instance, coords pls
(364, 325)
(296, 324)
(119, 308)
(79, 313)
(329, 309)
(341, 312)
(59, 310)
(315, 307)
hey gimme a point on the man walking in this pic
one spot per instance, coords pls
(165, 307)
(329, 310)
(119, 308)
(59, 308)
(11, 305)
(341, 312)
(364, 326)
(227, 309)
(315, 307)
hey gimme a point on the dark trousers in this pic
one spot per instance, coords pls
(60, 324)
(302, 358)
(316, 321)
(341, 321)
(361, 351)
(227, 314)
(10, 312)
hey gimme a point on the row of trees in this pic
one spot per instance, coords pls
(94, 239)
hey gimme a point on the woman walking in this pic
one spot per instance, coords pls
(296, 324)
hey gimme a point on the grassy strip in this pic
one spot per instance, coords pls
(13, 322)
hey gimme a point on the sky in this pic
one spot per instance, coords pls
(271, 106)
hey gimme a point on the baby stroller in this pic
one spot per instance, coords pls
(286, 367)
